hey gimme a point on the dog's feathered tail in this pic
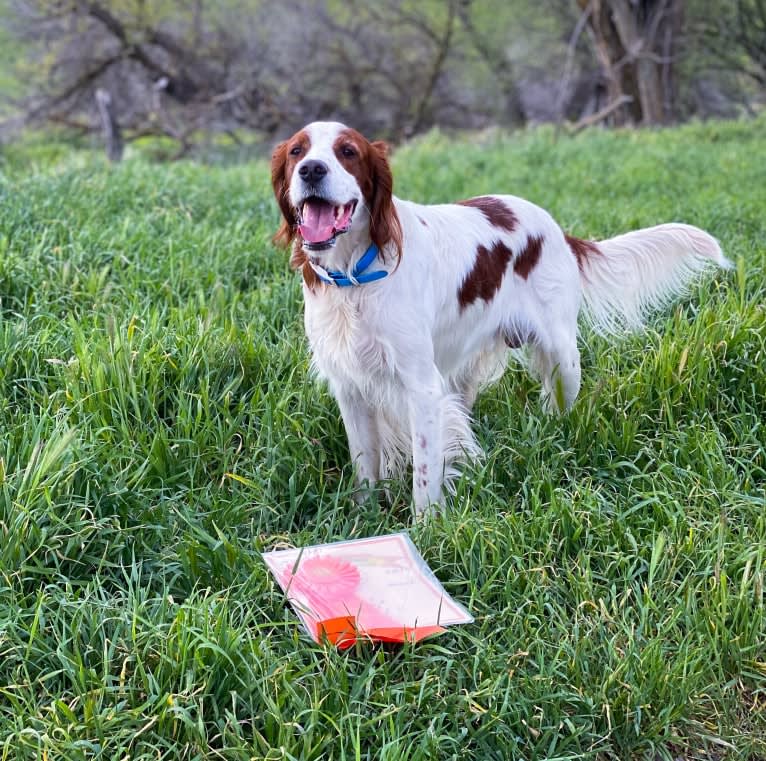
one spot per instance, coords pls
(625, 277)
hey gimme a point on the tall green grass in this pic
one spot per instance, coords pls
(160, 428)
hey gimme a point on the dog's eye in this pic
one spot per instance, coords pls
(296, 150)
(347, 151)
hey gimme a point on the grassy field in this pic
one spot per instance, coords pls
(160, 429)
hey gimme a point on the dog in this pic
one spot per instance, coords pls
(411, 309)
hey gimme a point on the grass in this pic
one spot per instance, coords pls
(161, 429)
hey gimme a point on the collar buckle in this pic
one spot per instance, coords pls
(357, 276)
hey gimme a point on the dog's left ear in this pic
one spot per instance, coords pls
(385, 227)
(284, 236)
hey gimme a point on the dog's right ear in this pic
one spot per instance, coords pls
(385, 228)
(279, 182)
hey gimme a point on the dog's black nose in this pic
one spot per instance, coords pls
(312, 171)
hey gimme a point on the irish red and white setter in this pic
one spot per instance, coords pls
(410, 309)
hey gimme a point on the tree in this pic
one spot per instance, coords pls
(392, 68)
(636, 43)
(170, 73)
(738, 41)
(181, 68)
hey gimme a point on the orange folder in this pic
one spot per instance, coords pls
(378, 589)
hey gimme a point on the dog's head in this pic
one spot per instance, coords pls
(330, 180)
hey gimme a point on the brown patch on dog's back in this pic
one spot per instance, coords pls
(483, 281)
(581, 249)
(525, 262)
(497, 213)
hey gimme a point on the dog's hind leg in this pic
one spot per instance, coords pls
(485, 368)
(558, 368)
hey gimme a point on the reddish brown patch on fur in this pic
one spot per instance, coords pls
(581, 249)
(525, 262)
(496, 212)
(283, 163)
(483, 281)
(368, 163)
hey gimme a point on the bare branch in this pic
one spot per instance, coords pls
(569, 61)
(600, 115)
(442, 50)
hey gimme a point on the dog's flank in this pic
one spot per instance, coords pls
(457, 287)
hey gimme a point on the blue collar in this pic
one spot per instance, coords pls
(358, 276)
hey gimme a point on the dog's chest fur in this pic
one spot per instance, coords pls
(344, 343)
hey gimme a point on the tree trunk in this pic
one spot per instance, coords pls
(635, 41)
(110, 126)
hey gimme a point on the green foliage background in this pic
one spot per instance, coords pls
(253, 67)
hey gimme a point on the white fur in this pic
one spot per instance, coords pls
(405, 361)
(662, 260)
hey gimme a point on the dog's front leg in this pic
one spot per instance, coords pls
(427, 447)
(361, 425)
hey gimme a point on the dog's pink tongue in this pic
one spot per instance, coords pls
(318, 222)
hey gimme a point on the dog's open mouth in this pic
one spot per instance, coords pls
(320, 221)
